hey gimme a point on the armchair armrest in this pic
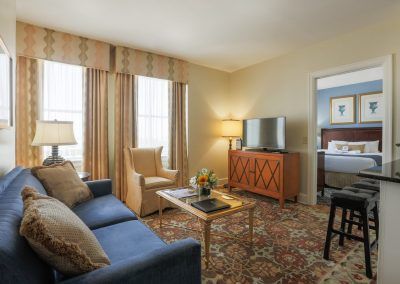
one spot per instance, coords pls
(177, 263)
(169, 174)
(100, 187)
(137, 179)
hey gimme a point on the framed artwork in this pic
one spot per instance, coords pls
(371, 109)
(5, 87)
(343, 110)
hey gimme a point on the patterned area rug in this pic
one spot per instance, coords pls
(287, 248)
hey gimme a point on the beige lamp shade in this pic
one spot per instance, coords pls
(54, 133)
(231, 128)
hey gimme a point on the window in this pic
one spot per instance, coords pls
(63, 100)
(153, 119)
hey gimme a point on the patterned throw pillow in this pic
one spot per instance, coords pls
(61, 181)
(58, 236)
(352, 147)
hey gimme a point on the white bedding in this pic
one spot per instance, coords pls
(348, 162)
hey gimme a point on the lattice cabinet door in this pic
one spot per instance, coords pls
(239, 170)
(267, 174)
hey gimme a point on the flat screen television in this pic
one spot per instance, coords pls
(267, 133)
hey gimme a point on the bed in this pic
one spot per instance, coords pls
(342, 168)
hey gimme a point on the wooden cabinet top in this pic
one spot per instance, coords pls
(253, 153)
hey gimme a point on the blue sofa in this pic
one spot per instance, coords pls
(137, 255)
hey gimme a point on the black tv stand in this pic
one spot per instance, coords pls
(267, 150)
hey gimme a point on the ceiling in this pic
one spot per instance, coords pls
(223, 34)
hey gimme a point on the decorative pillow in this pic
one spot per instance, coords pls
(58, 236)
(61, 181)
(352, 147)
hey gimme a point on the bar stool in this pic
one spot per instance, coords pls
(369, 184)
(360, 202)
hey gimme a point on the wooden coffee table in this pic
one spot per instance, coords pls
(237, 205)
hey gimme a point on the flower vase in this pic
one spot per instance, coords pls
(205, 190)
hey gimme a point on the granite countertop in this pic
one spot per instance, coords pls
(387, 172)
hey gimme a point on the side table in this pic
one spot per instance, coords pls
(84, 176)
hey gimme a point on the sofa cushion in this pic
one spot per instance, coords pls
(58, 236)
(62, 182)
(127, 239)
(156, 182)
(103, 211)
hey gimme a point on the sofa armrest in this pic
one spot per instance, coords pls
(100, 187)
(177, 263)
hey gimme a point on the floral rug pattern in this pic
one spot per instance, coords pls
(287, 245)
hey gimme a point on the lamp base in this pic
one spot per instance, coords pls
(51, 160)
(54, 158)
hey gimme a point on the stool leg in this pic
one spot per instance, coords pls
(376, 221)
(342, 226)
(329, 231)
(350, 226)
(367, 246)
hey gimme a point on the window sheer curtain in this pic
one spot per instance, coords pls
(63, 99)
(152, 115)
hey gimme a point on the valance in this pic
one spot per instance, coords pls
(42, 43)
(137, 62)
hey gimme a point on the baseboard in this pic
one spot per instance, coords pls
(303, 198)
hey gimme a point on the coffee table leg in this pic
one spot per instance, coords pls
(160, 204)
(251, 222)
(207, 231)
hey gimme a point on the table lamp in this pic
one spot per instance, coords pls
(231, 128)
(54, 133)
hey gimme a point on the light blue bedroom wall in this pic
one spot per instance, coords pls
(323, 102)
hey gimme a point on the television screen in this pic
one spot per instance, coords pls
(264, 133)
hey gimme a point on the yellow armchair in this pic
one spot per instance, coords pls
(145, 175)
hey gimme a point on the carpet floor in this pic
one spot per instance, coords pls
(287, 248)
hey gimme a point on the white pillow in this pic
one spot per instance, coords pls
(331, 147)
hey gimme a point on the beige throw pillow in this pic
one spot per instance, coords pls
(61, 181)
(352, 147)
(58, 236)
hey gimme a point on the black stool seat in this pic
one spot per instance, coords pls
(353, 198)
(367, 184)
(360, 202)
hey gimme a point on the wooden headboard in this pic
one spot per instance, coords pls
(351, 135)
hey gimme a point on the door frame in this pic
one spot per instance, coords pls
(386, 62)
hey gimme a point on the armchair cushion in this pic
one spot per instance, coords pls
(157, 182)
(103, 211)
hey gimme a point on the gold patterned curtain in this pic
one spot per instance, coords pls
(125, 127)
(95, 158)
(27, 110)
(178, 145)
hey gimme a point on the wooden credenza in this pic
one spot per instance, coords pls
(276, 175)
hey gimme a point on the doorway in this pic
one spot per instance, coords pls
(350, 105)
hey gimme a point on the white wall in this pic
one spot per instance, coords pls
(7, 33)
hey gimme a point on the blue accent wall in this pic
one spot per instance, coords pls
(323, 102)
